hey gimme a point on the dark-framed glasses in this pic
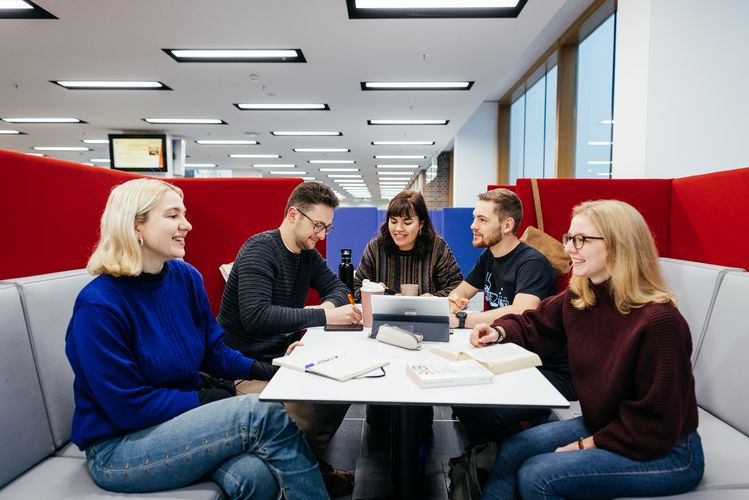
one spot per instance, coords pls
(578, 240)
(317, 227)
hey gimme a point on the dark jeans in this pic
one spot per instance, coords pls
(497, 424)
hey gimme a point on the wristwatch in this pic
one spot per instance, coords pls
(461, 315)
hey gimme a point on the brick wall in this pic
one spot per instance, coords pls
(437, 193)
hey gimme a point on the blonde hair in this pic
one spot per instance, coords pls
(118, 251)
(632, 260)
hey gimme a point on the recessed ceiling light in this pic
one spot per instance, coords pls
(95, 141)
(308, 178)
(185, 121)
(358, 9)
(399, 178)
(226, 143)
(61, 148)
(271, 165)
(42, 120)
(99, 160)
(416, 85)
(400, 157)
(198, 165)
(396, 166)
(20, 9)
(395, 173)
(322, 150)
(304, 133)
(402, 143)
(339, 170)
(295, 173)
(349, 182)
(9, 132)
(332, 161)
(253, 156)
(110, 85)
(282, 107)
(345, 176)
(236, 55)
(35, 154)
(408, 122)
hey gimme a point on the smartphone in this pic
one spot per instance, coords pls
(344, 328)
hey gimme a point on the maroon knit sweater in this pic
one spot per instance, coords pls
(632, 372)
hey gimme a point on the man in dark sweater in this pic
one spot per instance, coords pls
(514, 277)
(263, 311)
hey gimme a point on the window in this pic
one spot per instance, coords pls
(533, 130)
(595, 102)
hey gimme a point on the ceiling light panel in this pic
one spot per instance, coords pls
(61, 148)
(42, 120)
(10, 132)
(408, 122)
(22, 9)
(253, 156)
(402, 143)
(304, 133)
(322, 150)
(199, 165)
(95, 141)
(110, 85)
(339, 170)
(397, 166)
(282, 107)
(271, 165)
(295, 173)
(379, 9)
(332, 161)
(345, 176)
(395, 173)
(416, 85)
(184, 121)
(236, 55)
(226, 143)
(400, 157)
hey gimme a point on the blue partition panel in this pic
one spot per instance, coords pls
(456, 225)
(381, 215)
(436, 216)
(354, 227)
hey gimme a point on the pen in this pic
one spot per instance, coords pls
(351, 299)
(310, 365)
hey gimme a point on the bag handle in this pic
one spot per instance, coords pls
(537, 204)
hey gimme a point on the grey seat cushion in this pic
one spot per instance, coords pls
(721, 370)
(48, 302)
(68, 479)
(24, 429)
(696, 286)
(726, 455)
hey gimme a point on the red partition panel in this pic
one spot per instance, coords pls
(652, 197)
(709, 221)
(52, 210)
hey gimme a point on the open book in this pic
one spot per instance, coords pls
(442, 374)
(331, 363)
(499, 358)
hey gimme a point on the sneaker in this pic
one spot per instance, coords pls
(338, 482)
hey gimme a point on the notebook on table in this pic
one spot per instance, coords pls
(499, 358)
(330, 362)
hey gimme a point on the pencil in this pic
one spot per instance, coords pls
(351, 299)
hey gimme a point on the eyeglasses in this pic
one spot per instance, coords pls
(578, 240)
(317, 227)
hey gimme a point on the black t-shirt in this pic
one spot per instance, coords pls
(523, 270)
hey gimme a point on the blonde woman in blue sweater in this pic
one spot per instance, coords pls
(139, 336)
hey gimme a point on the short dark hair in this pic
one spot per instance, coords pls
(506, 204)
(407, 204)
(307, 194)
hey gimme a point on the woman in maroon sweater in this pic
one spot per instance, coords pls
(629, 351)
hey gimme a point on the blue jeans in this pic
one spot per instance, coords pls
(251, 449)
(527, 466)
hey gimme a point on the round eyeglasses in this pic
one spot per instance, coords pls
(578, 240)
(317, 227)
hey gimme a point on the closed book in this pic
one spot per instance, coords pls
(443, 374)
(331, 363)
(498, 358)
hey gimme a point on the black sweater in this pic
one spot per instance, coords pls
(262, 309)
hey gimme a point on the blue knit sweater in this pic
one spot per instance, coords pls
(136, 346)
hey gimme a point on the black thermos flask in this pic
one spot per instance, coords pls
(346, 269)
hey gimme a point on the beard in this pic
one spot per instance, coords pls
(487, 241)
